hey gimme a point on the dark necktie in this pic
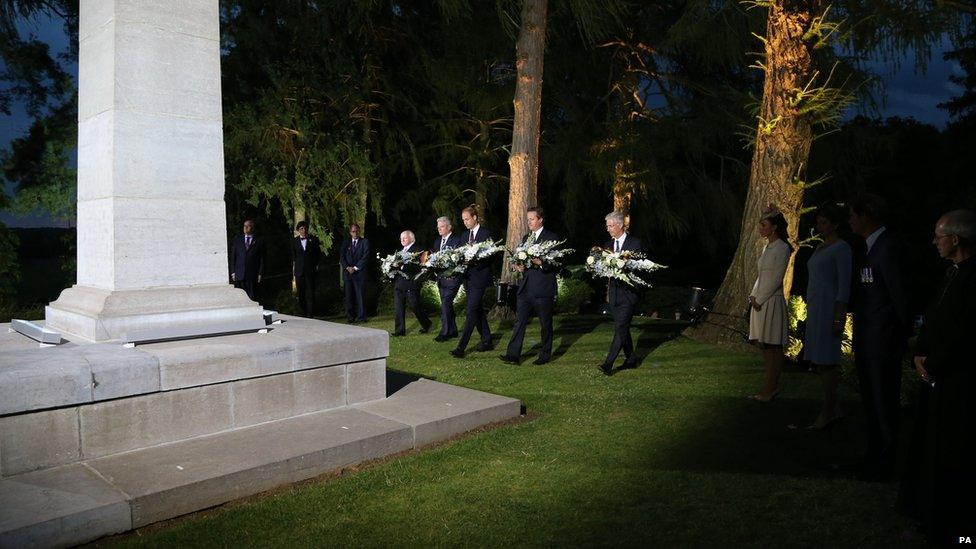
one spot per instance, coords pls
(353, 247)
(443, 243)
(470, 237)
(247, 242)
(616, 246)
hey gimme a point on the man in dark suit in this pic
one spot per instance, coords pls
(247, 260)
(305, 256)
(353, 256)
(623, 298)
(940, 483)
(406, 290)
(447, 286)
(477, 278)
(882, 324)
(536, 294)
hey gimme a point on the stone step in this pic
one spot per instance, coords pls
(84, 501)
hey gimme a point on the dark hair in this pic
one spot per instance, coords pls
(833, 213)
(538, 211)
(871, 206)
(472, 210)
(781, 227)
(358, 228)
(301, 224)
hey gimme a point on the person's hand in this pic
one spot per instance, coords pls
(350, 270)
(536, 261)
(920, 369)
(233, 277)
(754, 303)
(520, 268)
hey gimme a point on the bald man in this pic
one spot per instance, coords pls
(406, 290)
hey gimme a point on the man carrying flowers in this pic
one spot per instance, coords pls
(536, 291)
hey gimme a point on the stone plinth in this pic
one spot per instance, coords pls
(134, 436)
(152, 248)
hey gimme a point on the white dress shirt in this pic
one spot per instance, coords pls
(873, 237)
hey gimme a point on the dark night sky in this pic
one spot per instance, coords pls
(907, 93)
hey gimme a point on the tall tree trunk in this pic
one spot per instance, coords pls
(623, 190)
(783, 139)
(524, 161)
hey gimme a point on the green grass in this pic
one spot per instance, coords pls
(667, 454)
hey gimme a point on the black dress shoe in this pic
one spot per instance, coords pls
(540, 361)
(398, 334)
(440, 339)
(607, 369)
(508, 360)
(482, 347)
(457, 353)
(628, 365)
(425, 330)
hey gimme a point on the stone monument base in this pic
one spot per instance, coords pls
(93, 314)
(134, 436)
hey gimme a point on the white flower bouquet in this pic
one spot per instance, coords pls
(549, 252)
(392, 265)
(472, 253)
(449, 262)
(625, 266)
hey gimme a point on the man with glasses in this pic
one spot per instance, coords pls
(882, 324)
(940, 487)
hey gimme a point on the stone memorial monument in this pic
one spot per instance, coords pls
(152, 248)
(97, 437)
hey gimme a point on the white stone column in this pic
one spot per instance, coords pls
(152, 247)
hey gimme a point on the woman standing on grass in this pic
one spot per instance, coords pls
(767, 304)
(828, 292)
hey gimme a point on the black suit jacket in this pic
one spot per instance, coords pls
(354, 257)
(620, 292)
(478, 274)
(247, 262)
(540, 281)
(453, 241)
(882, 320)
(950, 325)
(412, 270)
(306, 260)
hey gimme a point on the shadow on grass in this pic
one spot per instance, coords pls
(731, 434)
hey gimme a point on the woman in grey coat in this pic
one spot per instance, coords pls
(828, 292)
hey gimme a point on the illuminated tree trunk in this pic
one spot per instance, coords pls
(524, 160)
(783, 139)
(623, 190)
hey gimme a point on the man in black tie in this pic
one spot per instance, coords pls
(536, 293)
(477, 278)
(353, 256)
(939, 487)
(623, 297)
(247, 261)
(305, 256)
(447, 286)
(406, 289)
(882, 324)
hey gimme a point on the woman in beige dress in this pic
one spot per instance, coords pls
(767, 305)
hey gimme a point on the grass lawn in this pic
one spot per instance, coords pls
(667, 454)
